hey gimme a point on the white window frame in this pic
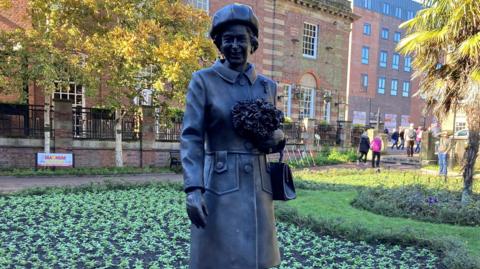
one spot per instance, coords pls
(200, 4)
(365, 60)
(410, 15)
(327, 108)
(406, 90)
(78, 100)
(367, 4)
(386, 9)
(397, 36)
(364, 78)
(407, 67)
(396, 61)
(383, 60)
(398, 12)
(310, 38)
(306, 104)
(287, 100)
(385, 33)
(394, 90)
(367, 29)
(381, 85)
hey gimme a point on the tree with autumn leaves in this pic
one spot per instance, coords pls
(125, 46)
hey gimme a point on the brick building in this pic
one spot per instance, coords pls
(303, 46)
(379, 77)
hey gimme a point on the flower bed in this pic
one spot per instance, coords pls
(147, 227)
(421, 203)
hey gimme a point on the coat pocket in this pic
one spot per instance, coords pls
(223, 175)
(265, 175)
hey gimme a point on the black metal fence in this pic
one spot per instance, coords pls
(95, 123)
(293, 133)
(327, 134)
(22, 120)
(168, 132)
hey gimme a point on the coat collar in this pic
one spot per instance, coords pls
(231, 76)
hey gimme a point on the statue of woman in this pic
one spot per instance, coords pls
(229, 193)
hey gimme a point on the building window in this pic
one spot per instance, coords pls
(384, 33)
(381, 85)
(200, 4)
(409, 15)
(386, 8)
(310, 39)
(408, 64)
(365, 51)
(367, 28)
(367, 4)
(307, 102)
(396, 37)
(70, 91)
(398, 12)
(287, 100)
(394, 88)
(383, 59)
(395, 61)
(406, 89)
(365, 81)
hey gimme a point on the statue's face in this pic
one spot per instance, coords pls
(236, 46)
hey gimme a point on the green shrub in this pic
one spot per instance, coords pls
(326, 156)
(421, 203)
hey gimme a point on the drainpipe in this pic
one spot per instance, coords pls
(272, 69)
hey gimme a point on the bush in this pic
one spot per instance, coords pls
(326, 156)
(421, 203)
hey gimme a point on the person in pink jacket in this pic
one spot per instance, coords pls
(376, 147)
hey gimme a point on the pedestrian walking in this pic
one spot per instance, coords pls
(376, 147)
(410, 136)
(395, 136)
(363, 148)
(401, 135)
(418, 139)
(443, 149)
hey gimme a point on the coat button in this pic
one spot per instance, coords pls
(248, 145)
(248, 168)
(219, 165)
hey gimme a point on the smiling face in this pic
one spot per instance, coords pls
(236, 46)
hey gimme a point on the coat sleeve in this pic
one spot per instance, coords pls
(192, 138)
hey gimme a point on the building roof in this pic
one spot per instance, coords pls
(339, 8)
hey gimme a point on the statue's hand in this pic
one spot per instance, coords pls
(274, 144)
(196, 208)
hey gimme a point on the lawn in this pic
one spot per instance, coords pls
(324, 204)
(147, 227)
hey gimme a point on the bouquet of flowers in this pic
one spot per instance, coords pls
(256, 120)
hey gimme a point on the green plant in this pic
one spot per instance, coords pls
(24, 172)
(419, 202)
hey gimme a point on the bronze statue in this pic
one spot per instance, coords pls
(229, 193)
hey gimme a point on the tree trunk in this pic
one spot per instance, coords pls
(118, 138)
(47, 124)
(470, 156)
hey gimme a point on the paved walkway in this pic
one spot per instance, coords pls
(12, 184)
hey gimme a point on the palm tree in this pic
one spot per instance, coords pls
(444, 38)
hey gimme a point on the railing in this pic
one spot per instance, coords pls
(356, 133)
(94, 123)
(168, 132)
(328, 134)
(22, 120)
(293, 133)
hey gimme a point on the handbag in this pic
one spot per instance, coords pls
(283, 188)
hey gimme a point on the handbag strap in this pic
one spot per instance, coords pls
(281, 156)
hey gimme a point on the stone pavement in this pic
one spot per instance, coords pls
(12, 184)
